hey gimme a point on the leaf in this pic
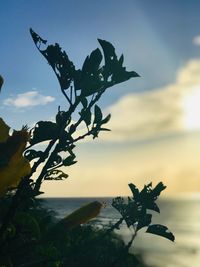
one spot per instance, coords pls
(58, 60)
(144, 219)
(134, 191)
(43, 131)
(160, 230)
(84, 102)
(69, 160)
(97, 114)
(13, 165)
(55, 175)
(106, 119)
(86, 116)
(1, 82)
(56, 160)
(82, 215)
(32, 154)
(92, 63)
(63, 118)
(104, 129)
(113, 68)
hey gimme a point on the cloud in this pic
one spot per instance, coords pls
(196, 40)
(158, 112)
(28, 99)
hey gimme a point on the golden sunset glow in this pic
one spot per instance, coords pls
(191, 109)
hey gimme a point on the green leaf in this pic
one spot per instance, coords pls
(97, 114)
(160, 230)
(43, 131)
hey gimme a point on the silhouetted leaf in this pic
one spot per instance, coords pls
(86, 116)
(58, 59)
(43, 131)
(84, 102)
(113, 71)
(106, 119)
(55, 175)
(92, 63)
(144, 219)
(97, 114)
(134, 191)
(56, 160)
(160, 230)
(32, 154)
(1, 82)
(63, 118)
(69, 160)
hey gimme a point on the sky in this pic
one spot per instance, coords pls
(155, 118)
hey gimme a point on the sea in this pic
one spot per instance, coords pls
(181, 216)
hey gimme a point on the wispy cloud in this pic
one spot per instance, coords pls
(160, 111)
(196, 40)
(28, 99)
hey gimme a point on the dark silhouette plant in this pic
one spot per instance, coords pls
(27, 225)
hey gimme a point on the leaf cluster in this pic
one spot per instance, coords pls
(135, 210)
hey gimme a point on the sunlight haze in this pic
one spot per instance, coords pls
(155, 119)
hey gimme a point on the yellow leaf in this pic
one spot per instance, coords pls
(82, 215)
(13, 165)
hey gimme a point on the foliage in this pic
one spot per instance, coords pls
(40, 239)
(135, 211)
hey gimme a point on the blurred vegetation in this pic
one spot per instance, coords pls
(30, 235)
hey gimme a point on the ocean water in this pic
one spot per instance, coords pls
(181, 216)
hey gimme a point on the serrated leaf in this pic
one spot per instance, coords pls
(58, 60)
(160, 230)
(113, 68)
